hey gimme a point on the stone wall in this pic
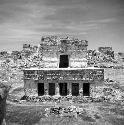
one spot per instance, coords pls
(52, 47)
(30, 87)
(81, 74)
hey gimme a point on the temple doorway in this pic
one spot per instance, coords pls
(63, 89)
(51, 89)
(86, 89)
(75, 89)
(40, 89)
(64, 61)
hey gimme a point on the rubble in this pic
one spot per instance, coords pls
(72, 111)
(108, 94)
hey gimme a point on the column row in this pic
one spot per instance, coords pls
(64, 89)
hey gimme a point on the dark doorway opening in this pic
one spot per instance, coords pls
(86, 89)
(51, 89)
(64, 61)
(75, 89)
(63, 89)
(40, 89)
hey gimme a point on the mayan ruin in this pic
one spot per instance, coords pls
(61, 62)
(64, 69)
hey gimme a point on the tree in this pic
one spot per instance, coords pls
(5, 85)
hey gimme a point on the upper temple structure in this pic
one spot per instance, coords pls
(63, 52)
(64, 69)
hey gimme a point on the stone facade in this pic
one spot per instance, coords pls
(75, 77)
(52, 47)
(64, 70)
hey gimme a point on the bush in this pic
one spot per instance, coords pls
(4, 89)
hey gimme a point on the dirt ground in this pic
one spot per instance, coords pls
(95, 114)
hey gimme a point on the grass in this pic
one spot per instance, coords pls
(27, 115)
(101, 114)
(115, 120)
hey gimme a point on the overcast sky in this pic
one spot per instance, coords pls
(101, 22)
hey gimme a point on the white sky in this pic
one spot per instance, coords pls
(101, 22)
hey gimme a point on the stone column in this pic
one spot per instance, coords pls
(46, 88)
(81, 88)
(70, 88)
(57, 89)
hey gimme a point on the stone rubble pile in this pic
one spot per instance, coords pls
(108, 94)
(73, 111)
(64, 111)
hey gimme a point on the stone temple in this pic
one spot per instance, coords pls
(64, 70)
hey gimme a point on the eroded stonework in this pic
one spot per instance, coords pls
(64, 71)
(52, 47)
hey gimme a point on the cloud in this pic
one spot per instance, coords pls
(107, 20)
(68, 15)
(29, 19)
(61, 3)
